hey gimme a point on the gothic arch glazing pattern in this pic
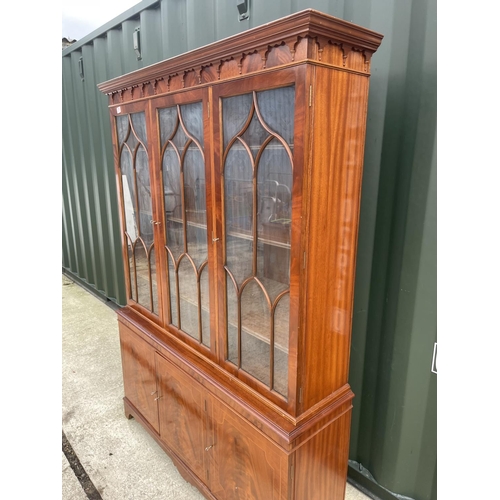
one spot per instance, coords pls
(136, 193)
(257, 161)
(184, 191)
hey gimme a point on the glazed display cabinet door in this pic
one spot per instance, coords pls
(139, 375)
(257, 160)
(185, 191)
(239, 168)
(135, 191)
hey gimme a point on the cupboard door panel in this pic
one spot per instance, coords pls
(139, 375)
(245, 465)
(182, 416)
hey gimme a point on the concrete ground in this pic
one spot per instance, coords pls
(112, 458)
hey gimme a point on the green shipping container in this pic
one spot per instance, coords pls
(393, 436)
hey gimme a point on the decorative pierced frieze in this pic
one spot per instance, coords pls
(289, 50)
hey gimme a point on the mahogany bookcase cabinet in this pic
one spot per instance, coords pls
(239, 168)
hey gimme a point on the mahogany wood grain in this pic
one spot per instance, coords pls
(182, 407)
(293, 39)
(228, 433)
(338, 128)
(245, 464)
(139, 375)
(276, 426)
(225, 452)
(291, 76)
(321, 463)
(182, 467)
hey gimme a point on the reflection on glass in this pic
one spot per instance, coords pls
(255, 135)
(154, 289)
(172, 283)
(238, 191)
(122, 127)
(142, 269)
(195, 205)
(255, 332)
(277, 109)
(235, 113)
(274, 217)
(184, 193)
(188, 293)
(232, 321)
(205, 315)
(128, 193)
(192, 119)
(137, 207)
(144, 196)
(257, 160)
(131, 268)
(281, 338)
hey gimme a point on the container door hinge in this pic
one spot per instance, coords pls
(300, 395)
(310, 95)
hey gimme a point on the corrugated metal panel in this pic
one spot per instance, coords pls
(394, 328)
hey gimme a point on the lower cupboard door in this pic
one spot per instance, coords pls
(246, 465)
(182, 416)
(139, 375)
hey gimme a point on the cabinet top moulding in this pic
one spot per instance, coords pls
(305, 36)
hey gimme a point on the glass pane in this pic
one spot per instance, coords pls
(139, 127)
(188, 292)
(128, 191)
(192, 117)
(123, 128)
(195, 204)
(180, 138)
(255, 332)
(238, 199)
(277, 108)
(184, 193)
(131, 267)
(173, 201)
(137, 203)
(257, 239)
(143, 275)
(238, 190)
(255, 135)
(281, 345)
(274, 181)
(205, 311)
(144, 196)
(172, 282)
(152, 263)
(232, 321)
(235, 112)
(168, 122)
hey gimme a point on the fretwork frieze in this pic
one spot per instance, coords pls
(321, 50)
